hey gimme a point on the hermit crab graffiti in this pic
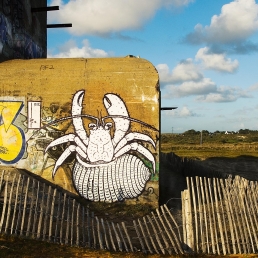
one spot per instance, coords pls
(105, 168)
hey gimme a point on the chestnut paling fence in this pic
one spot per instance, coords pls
(30, 208)
(219, 216)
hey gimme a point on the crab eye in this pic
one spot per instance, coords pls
(108, 126)
(93, 126)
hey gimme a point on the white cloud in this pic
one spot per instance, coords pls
(237, 21)
(181, 113)
(217, 97)
(217, 62)
(102, 17)
(184, 71)
(189, 88)
(70, 49)
(254, 87)
(224, 94)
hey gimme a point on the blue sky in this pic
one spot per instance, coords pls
(206, 53)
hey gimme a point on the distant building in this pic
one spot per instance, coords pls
(23, 32)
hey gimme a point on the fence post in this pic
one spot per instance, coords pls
(187, 220)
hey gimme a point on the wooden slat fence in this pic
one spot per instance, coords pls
(30, 208)
(220, 215)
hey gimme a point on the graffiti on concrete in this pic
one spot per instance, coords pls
(12, 137)
(106, 168)
(19, 31)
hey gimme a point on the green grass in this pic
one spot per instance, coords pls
(220, 145)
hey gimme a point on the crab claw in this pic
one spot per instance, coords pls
(76, 113)
(116, 106)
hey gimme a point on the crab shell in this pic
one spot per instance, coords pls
(123, 179)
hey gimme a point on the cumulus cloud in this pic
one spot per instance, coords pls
(189, 88)
(186, 70)
(70, 49)
(254, 87)
(181, 113)
(179, 83)
(224, 94)
(237, 21)
(215, 61)
(102, 17)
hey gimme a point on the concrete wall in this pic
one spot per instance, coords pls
(23, 34)
(88, 125)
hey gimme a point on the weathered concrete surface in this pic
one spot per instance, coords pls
(52, 83)
(23, 33)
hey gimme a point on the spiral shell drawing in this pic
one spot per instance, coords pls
(105, 168)
(124, 179)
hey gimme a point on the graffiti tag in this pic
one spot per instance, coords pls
(12, 138)
(46, 67)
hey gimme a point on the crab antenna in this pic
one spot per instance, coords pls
(61, 120)
(130, 119)
(100, 118)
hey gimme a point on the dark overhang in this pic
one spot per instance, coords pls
(168, 108)
(62, 25)
(45, 9)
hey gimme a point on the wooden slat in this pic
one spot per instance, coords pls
(145, 237)
(84, 229)
(127, 235)
(172, 231)
(233, 211)
(35, 217)
(223, 216)
(190, 215)
(72, 222)
(1, 180)
(10, 204)
(251, 212)
(236, 192)
(47, 212)
(58, 212)
(139, 236)
(167, 232)
(88, 227)
(78, 224)
(149, 234)
(196, 239)
(41, 211)
(183, 217)
(62, 219)
(117, 238)
(99, 234)
(218, 215)
(93, 230)
(122, 236)
(209, 216)
(19, 206)
(161, 233)
(51, 217)
(24, 205)
(5, 203)
(246, 220)
(67, 220)
(105, 234)
(205, 215)
(32, 198)
(203, 247)
(111, 236)
(174, 221)
(232, 224)
(156, 235)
